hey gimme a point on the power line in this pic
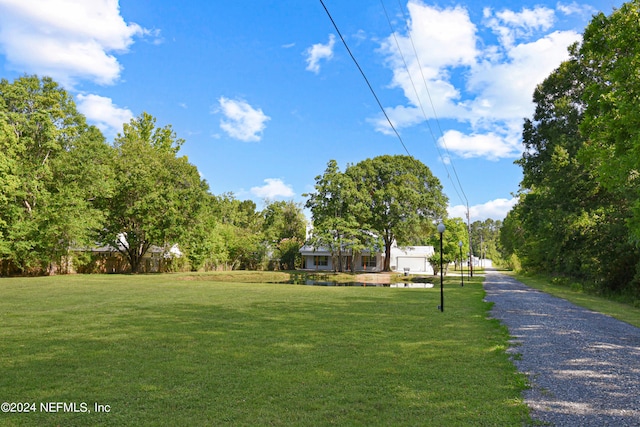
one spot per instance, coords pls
(435, 115)
(415, 90)
(365, 77)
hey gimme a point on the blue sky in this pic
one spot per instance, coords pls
(265, 92)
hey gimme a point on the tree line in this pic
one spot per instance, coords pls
(65, 190)
(578, 215)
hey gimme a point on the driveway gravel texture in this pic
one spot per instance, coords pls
(583, 367)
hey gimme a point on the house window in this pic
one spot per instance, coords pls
(322, 261)
(369, 261)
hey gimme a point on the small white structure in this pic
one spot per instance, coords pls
(410, 259)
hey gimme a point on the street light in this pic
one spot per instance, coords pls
(441, 229)
(461, 272)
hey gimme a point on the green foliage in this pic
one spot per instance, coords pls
(284, 228)
(52, 167)
(578, 210)
(157, 196)
(231, 234)
(402, 198)
(283, 220)
(379, 200)
(289, 253)
(610, 54)
(335, 209)
(485, 237)
(455, 232)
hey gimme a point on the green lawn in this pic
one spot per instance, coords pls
(192, 350)
(620, 310)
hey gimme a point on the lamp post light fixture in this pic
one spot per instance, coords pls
(441, 229)
(461, 262)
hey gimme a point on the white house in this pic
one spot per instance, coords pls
(411, 259)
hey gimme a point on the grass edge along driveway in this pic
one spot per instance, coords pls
(190, 350)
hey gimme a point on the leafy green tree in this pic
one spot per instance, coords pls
(157, 195)
(227, 235)
(512, 241)
(564, 203)
(52, 168)
(201, 244)
(242, 232)
(570, 220)
(289, 253)
(610, 57)
(455, 232)
(284, 228)
(485, 236)
(283, 220)
(402, 198)
(334, 208)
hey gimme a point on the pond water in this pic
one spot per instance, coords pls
(362, 284)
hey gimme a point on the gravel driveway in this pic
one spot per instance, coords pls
(583, 367)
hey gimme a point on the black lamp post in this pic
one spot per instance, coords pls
(441, 229)
(461, 272)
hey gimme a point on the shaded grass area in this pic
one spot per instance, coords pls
(626, 312)
(160, 350)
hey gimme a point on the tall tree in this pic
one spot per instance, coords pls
(226, 235)
(334, 208)
(485, 237)
(565, 209)
(52, 167)
(283, 220)
(455, 232)
(157, 194)
(610, 56)
(402, 196)
(570, 220)
(284, 227)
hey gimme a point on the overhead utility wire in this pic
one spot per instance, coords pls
(365, 77)
(443, 140)
(393, 32)
(444, 143)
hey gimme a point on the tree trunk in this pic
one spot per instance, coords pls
(387, 254)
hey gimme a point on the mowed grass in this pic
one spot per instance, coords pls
(614, 308)
(179, 349)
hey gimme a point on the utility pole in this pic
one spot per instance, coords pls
(470, 247)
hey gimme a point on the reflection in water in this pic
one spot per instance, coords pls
(308, 282)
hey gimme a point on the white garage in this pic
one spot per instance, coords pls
(412, 263)
(415, 258)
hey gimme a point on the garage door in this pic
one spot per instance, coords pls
(412, 263)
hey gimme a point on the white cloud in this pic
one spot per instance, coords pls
(574, 8)
(273, 188)
(66, 39)
(492, 145)
(242, 121)
(318, 52)
(484, 86)
(504, 89)
(103, 113)
(510, 25)
(495, 209)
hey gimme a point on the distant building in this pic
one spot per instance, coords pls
(411, 259)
